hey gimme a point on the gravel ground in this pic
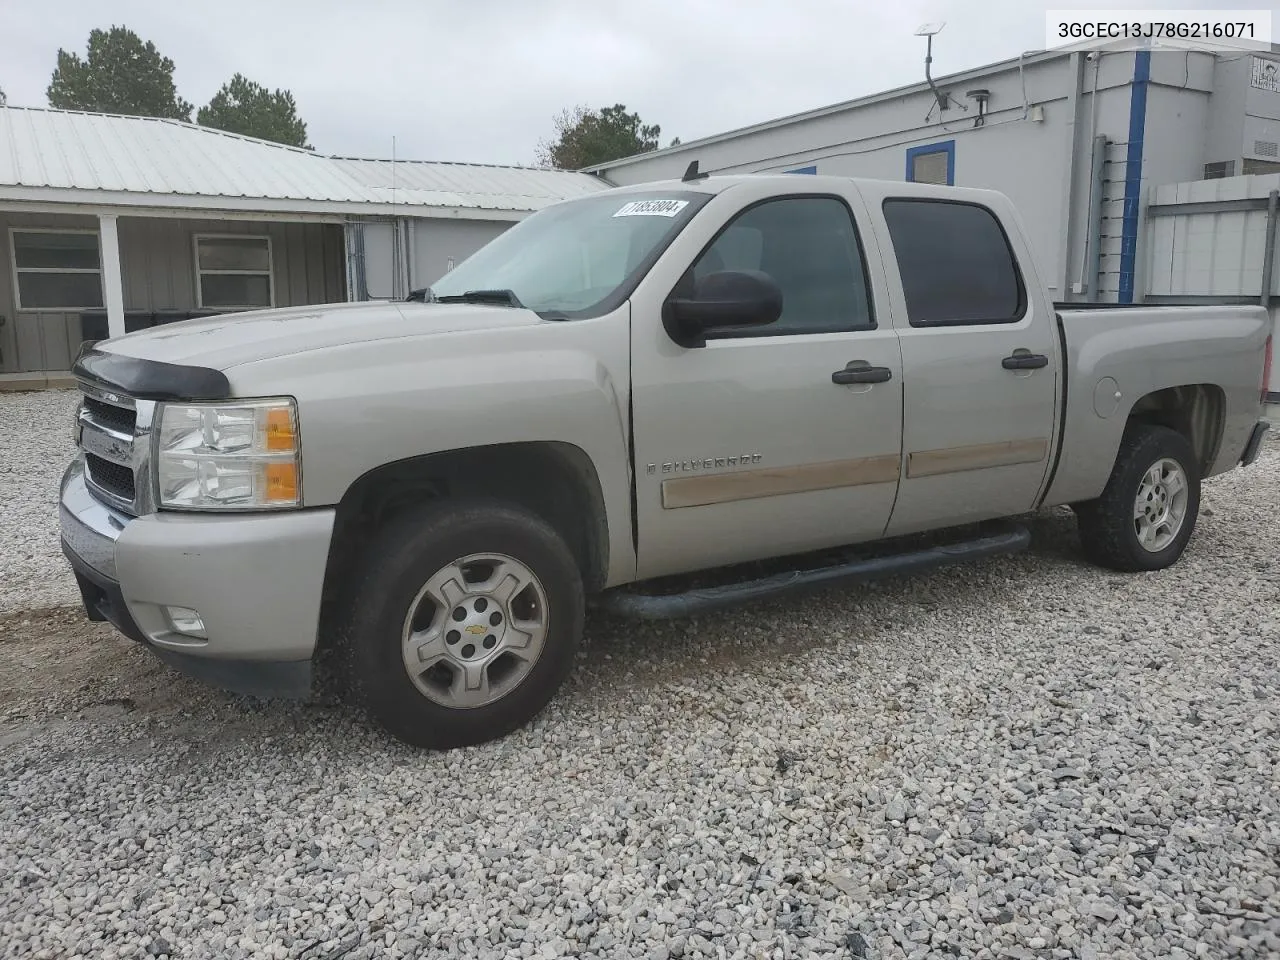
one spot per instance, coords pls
(1025, 757)
(35, 447)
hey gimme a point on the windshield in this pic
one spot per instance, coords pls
(574, 258)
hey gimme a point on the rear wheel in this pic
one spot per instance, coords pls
(465, 624)
(1148, 511)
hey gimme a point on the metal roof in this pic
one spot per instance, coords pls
(467, 184)
(74, 157)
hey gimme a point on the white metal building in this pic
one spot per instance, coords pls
(1077, 140)
(111, 223)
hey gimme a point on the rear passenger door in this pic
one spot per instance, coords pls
(981, 365)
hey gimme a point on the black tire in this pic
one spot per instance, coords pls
(399, 561)
(1108, 533)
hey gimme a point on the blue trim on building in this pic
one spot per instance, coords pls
(1133, 173)
(810, 169)
(946, 146)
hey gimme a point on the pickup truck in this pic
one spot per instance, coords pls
(677, 378)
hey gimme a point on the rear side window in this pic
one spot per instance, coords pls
(956, 263)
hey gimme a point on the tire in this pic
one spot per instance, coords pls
(407, 568)
(1110, 529)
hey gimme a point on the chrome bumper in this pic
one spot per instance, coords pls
(256, 581)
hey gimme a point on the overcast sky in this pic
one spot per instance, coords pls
(482, 80)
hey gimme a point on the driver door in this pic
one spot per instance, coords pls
(746, 447)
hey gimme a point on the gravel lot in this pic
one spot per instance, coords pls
(1025, 757)
(35, 438)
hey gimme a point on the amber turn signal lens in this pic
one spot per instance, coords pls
(279, 430)
(282, 483)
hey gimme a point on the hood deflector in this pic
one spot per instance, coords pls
(151, 379)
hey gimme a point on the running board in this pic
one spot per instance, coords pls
(644, 606)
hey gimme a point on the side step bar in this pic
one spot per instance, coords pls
(644, 606)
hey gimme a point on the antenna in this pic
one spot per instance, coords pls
(691, 173)
(928, 31)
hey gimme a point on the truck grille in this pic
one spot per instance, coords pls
(108, 428)
(110, 477)
(123, 419)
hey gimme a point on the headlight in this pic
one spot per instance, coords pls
(242, 455)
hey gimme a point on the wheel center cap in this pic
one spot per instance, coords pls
(477, 628)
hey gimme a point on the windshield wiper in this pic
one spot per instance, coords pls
(502, 298)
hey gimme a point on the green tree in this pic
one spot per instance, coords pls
(120, 74)
(585, 137)
(242, 106)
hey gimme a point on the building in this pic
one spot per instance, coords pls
(110, 224)
(1077, 139)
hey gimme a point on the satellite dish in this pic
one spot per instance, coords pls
(929, 29)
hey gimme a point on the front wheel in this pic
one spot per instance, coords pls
(1148, 511)
(465, 624)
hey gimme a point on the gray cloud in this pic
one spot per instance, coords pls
(482, 80)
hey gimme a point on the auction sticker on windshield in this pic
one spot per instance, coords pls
(652, 208)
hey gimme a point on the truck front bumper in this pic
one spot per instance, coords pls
(254, 580)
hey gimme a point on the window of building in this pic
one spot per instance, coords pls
(810, 246)
(1250, 166)
(56, 269)
(233, 272)
(956, 263)
(932, 163)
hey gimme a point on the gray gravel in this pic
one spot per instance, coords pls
(35, 448)
(1025, 757)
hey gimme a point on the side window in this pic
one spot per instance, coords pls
(933, 163)
(810, 246)
(956, 263)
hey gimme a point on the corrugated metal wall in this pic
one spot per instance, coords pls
(1210, 253)
(157, 260)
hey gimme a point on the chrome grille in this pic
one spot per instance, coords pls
(123, 419)
(112, 432)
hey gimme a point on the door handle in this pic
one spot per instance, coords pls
(860, 371)
(1021, 360)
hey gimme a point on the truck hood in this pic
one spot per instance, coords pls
(229, 340)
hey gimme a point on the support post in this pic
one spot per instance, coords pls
(1269, 257)
(112, 282)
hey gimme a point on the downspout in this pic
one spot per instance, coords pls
(1062, 281)
(1098, 165)
(1133, 174)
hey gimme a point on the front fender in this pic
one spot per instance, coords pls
(367, 404)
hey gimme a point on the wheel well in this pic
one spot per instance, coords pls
(1196, 411)
(556, 481)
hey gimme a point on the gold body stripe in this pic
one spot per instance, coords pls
(776, 481)
(712, 488)
(930, 463)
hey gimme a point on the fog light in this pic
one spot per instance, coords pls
(188, 621)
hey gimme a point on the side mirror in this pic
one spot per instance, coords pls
(724, 300)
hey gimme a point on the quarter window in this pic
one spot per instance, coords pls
(955, 262)
(810, 246)
(57, 270)
(234, 272)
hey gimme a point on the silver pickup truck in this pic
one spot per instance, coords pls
(649, 382)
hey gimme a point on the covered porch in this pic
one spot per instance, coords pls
(75, 274)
